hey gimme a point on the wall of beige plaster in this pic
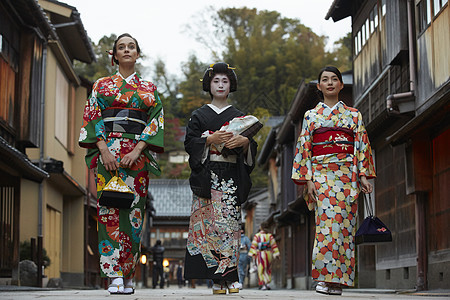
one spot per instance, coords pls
(29, 191)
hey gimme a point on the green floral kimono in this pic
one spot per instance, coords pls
(122, 113)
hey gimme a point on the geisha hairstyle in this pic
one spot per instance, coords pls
(332, 70)
(138, 49)
(219, 68)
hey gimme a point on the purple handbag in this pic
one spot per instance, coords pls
(372, 230)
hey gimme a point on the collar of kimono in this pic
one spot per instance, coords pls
(128, 79)
(338, 104)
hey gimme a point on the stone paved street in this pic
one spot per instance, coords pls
(204, 293)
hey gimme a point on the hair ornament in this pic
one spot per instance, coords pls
(219, 68)
(110, 52)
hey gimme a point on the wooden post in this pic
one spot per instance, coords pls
(421, 241)
(39, 261)
(33, 250)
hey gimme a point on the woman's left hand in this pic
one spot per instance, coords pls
(131, 158)
(366, 186)
(237, 141)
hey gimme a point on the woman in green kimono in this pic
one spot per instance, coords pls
(123, 123)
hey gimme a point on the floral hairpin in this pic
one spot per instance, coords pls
(110, 52)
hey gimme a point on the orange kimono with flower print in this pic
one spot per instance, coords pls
(336, 178)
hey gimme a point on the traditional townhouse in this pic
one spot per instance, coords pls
(171, 200)
(401, 84)
(42, 102)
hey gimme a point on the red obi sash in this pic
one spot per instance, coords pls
(331, 140)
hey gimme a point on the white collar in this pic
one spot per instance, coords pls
(128, 79)
(216, 109)
(334, 106)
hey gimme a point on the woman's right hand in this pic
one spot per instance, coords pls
(218, 137)
(109, 161)
(312, 192)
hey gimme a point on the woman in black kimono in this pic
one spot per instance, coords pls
(220, 182)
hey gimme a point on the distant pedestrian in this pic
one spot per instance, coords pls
(264, 248)
(334, 160)
(244, 259)
(180, 278)
(167, 276)
(158, 268)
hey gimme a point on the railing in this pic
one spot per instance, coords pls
(7, 227)
(372, 103)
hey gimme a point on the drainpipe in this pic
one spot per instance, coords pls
(42, 136)
(407, 96)
(41, 165)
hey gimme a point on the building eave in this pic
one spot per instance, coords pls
(20, 163)
(70, 29)
(63, 180)
(267, 148)
(339, 10)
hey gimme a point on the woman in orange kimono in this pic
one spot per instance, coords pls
(334, 159)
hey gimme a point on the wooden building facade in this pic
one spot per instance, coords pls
(401, 71)
(401, 80)
(400, 84)
(43, 180)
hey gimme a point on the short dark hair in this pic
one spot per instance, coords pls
(332, 70)
(115, 45)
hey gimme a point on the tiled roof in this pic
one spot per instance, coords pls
(21, 162)
(172, 197)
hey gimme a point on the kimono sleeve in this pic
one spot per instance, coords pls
(363, 157)
(254, 248)
(153, 133)
(302, 169)
(274, 246)
(194, 143)
(93, 128)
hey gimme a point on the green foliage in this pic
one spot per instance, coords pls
(191, 88)
(272, 54)
(25, 253)
(103, 66)
(168, 90)
(173, 135)
(259, 176)
(342, 53)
